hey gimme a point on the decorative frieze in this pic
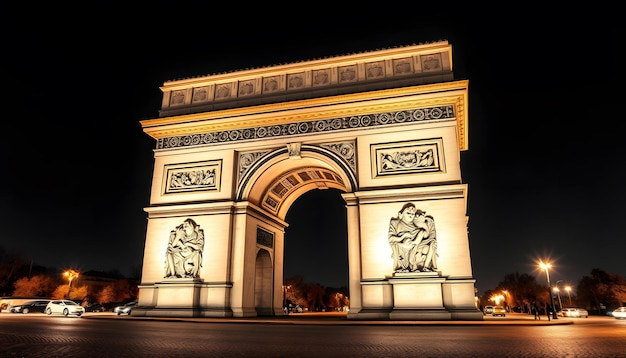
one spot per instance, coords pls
(309, 127)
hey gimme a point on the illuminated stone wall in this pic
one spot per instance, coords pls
(235, 150)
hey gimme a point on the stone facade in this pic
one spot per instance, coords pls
(235, 150)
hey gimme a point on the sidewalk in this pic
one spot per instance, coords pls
(332, 318)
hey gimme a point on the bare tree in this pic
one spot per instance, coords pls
(601, 291)
(36, 286)
(522, 288)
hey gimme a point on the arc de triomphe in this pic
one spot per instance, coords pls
(235, 150)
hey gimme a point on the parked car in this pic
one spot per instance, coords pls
(498, 311)
(64, 307)
(295, 309)
(582, 312)
(30, 306)
(125, 309)
(96, 307)
(619, 313)
(573, 312)
(488, 310)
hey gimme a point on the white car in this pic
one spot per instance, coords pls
(573, 312)
(125, 309)
(64, 307)
(620, 313)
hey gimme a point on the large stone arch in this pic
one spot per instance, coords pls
(295, 169)
(308, 167)
(235, 150)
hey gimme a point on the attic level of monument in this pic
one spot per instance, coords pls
(376, 70)
(373, 109)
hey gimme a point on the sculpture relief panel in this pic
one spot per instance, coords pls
(192, 177)
(402, 66)
(223, 91)
(375, 70)
(271, 84)
(321, 78)
(200, 95)
(431, 63)
(295, 81)
(246, 88)
(408, 157)
(347, 74)
(183, 256)
(178, 98)
(413, 240)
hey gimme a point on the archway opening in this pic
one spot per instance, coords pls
(316, 240)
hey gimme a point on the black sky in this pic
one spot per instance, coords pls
(545, 152)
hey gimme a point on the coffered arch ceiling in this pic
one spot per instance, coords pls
(283, 178)
(284, 190)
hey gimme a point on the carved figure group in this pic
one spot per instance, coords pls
(407, 160)
(193, 177)
(413, 240)
(183, 257)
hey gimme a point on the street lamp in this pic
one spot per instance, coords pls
(71, 275)
(568, 288)
(546, 266)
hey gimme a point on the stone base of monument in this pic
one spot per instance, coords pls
(417, 290)
(417, 296)
(184, 297)
(420, 315)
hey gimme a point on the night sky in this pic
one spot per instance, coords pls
(544, 165)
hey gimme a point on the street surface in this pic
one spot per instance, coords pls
(108, 335)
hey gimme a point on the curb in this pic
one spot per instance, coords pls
(290, 320)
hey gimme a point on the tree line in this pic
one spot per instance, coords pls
(314, 297)
(19, 277)
(599, 292)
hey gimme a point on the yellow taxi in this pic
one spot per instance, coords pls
(498, 311)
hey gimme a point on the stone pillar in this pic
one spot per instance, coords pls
(354, 252)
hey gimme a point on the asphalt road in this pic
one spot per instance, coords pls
(108, 335)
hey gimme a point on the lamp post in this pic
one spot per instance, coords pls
(285, 288)
(558, 293)
(71, 275)
(338, 297)
(568, 288)
(546, 266)
(506, 298)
